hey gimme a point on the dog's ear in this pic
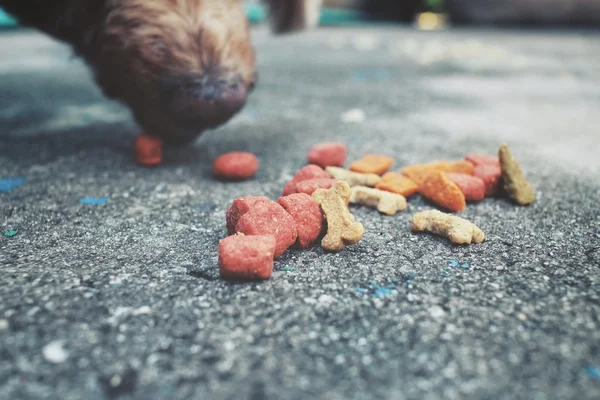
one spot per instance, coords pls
(292, 15)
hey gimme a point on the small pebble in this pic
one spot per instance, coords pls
(55, 353)
(354, 116)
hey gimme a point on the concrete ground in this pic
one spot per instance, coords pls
(124, 300)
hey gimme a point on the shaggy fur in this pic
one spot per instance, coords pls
(182, 66)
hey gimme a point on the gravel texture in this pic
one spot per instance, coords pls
(119, 295)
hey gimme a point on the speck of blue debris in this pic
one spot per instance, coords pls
(361, 290)
(287, 268)
(10, 233)
(445, 274)
(453, 263)
(6, 185)
(320, 269)
(94, 201)
(465, 266)
(593, 372)
(372, 284)
(382, 292)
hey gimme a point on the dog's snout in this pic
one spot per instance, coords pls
(206, 100)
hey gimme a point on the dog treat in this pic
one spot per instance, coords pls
(353, 178)
(385, 202)
(458, 230)
(397, 183)
(239, 207)
(307, 214)
(514, 182)
(236, 165)
(461, 167)
(419, 173)
(246, 257)
(328, 154)
(478, 159)
(270, 218)
(372, 164)
(472, 187)
(490, 174)
(148, 150)
(442, 191)
(342, 227)
(311, 171)
(310, 185)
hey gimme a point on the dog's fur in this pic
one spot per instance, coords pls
(151, 54)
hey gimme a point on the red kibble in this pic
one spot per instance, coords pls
(269, 218)
(478, 159)
(148, 150)
(239, 207)
(328, 154)
(310, 185)
(236, 165)
(490, 174)
(308, 172)
(307, 214)
(246, 257)
(473, 188)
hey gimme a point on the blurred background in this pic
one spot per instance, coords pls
(430, 14)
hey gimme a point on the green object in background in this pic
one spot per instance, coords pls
(6, 20)
(329, 16)
(10, 234)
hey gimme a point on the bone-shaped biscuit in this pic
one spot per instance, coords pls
(353, 178)
(457, 229)
(342, 227)
(385, 202)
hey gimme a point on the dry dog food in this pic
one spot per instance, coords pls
(239, 207)
(372, 164)
(419, 173)
(385, 202)
(310, 185)
(148, 150)
(472, 187)
(515, 183)
(458, 230)
(246, 257)
(328, 154)
(397, 183)
(237, 165)
(342, 227)
(353, 178)
(478, 159)
(269, 218)
(490, 174)
(442, 191)
(308, 172)
(307, 214)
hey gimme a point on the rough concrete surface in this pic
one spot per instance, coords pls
(124, 299)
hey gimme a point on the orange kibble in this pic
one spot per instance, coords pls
(442, 191)
(418, 173)
(372, 164)
(397, 183)
(461, 167)
(148, 150)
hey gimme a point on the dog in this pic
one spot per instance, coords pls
(181, 66)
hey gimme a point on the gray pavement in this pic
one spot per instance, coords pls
(123, 299)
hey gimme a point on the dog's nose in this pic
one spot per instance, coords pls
(204, 101)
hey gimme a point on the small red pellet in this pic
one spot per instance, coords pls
(472, 187)
(148, 150)
(310, 185)
(237, 165)
(239, 207)
(270, 218)
(478, 159)
(307, 214)
(246, 257)
(491, 175)
(308, 172)
(328, 154)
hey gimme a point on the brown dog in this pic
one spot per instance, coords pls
(182, 66)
